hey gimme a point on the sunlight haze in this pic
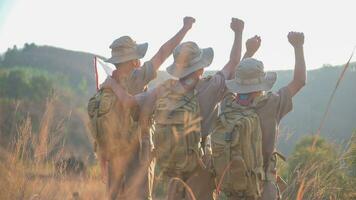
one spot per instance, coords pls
(91, 26)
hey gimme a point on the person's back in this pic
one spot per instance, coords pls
(236, 142)
(130, 170)
(250, 84)
(188, 68)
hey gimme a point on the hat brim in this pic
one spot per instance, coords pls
(266, 85)
(140, 53)
(205, 61)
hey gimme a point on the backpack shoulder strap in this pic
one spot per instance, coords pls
(224, 108)
(186, 98)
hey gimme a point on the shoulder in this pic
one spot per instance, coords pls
(217, 79)
(282, 94)
(146, 70)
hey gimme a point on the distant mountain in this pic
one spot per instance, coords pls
(309, 105)
(72, 65)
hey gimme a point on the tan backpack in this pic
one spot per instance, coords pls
(112, 127)
(237, 150)
(177, 133)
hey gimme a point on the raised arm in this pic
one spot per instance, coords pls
(296, 39)
(252, 45)
(168, 47)
(237, 26)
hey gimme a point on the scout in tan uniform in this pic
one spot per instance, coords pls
(243, 139)
(115, 124)
(194, 98)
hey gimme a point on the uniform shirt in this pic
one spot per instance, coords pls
(210, 90)
(271, 112)
(139, 78)
(117, 120)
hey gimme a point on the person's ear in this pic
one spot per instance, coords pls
(200, 72)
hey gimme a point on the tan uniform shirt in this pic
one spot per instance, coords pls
(271, 113)
(210, 90)
(140, 77)
(116, 118)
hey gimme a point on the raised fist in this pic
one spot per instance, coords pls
(188, 22)
(237, 25)
(296, 39)
(253, 44)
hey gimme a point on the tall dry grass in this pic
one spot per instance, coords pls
(27, 167)
(320, 175)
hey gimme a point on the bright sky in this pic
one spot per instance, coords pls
(91, 26)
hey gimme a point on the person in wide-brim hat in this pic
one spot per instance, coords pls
(133, 77)
(250, 85)
(251, 77)
(188, 58)
(125, 49)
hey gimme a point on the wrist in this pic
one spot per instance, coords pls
(238, 32)
(186, 28)
(298, 47)
(249, 54)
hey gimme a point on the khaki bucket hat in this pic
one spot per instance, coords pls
(188, 58)
(125, 49)
(251, 77)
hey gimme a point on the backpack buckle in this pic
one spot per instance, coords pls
(228, 136)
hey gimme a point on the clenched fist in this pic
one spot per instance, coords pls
(296, 39)
(253, 44)
(188, 22)
(237, 25)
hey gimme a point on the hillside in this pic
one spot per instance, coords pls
(72, 75)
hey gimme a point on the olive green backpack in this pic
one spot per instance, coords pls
(111, 128)
(177, 133)
(236, 143)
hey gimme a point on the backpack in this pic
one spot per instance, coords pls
(112, 127)
(177, 136)
(236, 143)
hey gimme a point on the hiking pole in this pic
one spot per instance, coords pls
(332, 97)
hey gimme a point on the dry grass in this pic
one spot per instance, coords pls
(27, 168)
(320, 175)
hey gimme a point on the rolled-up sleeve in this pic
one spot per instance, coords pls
(144, 74)
(285, 102)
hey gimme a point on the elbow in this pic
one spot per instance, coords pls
(234, 62)
(300, 83)
(303, 83)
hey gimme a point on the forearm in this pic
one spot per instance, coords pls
(299, 78)
(146, 113)
(235, 56)
(168, 47)
(300, 68)
(248, 55)
(126, 98)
